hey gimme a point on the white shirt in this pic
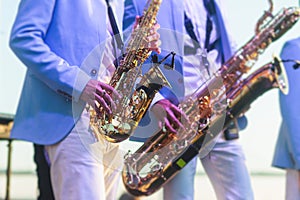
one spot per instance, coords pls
(107, 67)
(194, 72)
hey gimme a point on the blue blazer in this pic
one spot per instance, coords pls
(287, 150)
(60, 44)
(171, 20)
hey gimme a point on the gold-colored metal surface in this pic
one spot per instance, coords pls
(166, 153)
(5, 130)
(135, 101)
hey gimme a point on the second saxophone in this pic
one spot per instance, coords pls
(163, 155)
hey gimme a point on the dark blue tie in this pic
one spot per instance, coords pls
(209, 6)
(210, 11)
(215, 13)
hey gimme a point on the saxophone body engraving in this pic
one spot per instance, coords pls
(136, 96)
(166, 153)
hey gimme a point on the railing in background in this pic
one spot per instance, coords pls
(6, 122)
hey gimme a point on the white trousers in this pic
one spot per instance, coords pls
(226, 169)
(84, 168)
(292, 186)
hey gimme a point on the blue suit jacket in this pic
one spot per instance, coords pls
(171, 20)
(59, 42)
(287, 151)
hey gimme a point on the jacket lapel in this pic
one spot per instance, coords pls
(178, 20)
(226, 47)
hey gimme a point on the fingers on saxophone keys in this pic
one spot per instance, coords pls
(169, 126)
(103, 103)
(137, 21)
(175, 122)
(100, 92)
(153, 39)
(155, 27)
(153, 45)
(103, 97)
(109, 100)
(112, 91)
(153, 34)
(180, 115)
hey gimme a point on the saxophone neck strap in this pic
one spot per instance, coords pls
(209, 6)
(114, 26)
(190, 30)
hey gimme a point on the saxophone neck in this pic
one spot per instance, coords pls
(267, 14)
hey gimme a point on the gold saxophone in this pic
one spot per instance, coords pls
(134, 101)
(166, 153)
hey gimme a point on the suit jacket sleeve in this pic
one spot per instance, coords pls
(233, 45)
(28, 43)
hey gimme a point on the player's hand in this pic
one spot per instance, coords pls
(98, 94)
(152, 40)
(169, 116)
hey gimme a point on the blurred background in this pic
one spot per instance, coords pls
(258, 138)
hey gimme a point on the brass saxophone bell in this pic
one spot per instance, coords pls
(281, 76)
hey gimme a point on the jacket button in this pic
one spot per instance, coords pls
(180, 80)
(93, 72)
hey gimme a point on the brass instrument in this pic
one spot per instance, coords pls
(135, 101)
(166, 153)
